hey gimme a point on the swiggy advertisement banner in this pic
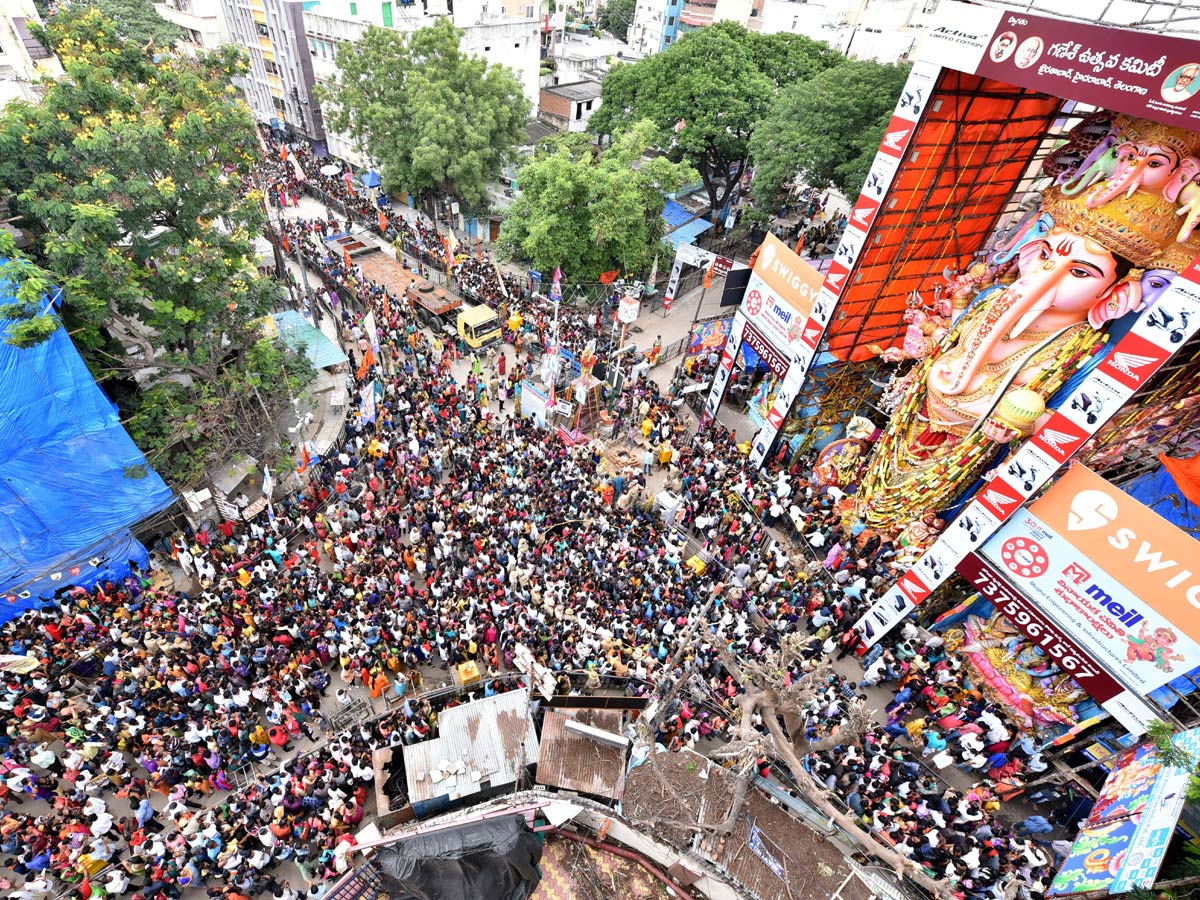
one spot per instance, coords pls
(780, 296)
(1118, 629)
(1154, 560)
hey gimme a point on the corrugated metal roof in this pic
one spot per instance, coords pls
(576, 763)
(493, 737)
(297, 332)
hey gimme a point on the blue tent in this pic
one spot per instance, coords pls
(72, 481)
(370, 179)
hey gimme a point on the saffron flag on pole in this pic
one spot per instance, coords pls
(346, 257)
(383, 221)
(349, 180)
(708, 274)
(609, 277)
(800, 244)
(305, 459)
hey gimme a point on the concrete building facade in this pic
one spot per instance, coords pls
(568, 107)
(488, 32)
(201, 21)
(23, 61)
(655, 26)
(279, 86)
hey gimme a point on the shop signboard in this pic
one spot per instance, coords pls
(1151, 75)
(775, 361)
(1122, 845)
(780, 295)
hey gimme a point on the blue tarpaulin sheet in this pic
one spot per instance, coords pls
(675, 215)
(370, 179)
(682, 225)
(71, 479)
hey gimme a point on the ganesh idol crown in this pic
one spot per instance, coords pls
(1113, 230)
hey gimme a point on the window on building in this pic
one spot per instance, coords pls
(529, 12)
(261, 28)
(578, 111)
(271, 68)
(487, 49)
(354, 9)
(279, 104)
(670, 21)
(32, 47)
(517, 45)
(386, 13)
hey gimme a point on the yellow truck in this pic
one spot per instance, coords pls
(478, 326)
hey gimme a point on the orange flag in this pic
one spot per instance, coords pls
(368, 360)
(383, 222)
(800, 244)
(1186, 473)
(283, 153)
(346, 257)
(305, 459)
(287, 248)
(708, 275)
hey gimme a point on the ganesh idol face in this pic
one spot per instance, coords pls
(1062, 276)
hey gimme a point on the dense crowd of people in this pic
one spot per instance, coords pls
(450, 530)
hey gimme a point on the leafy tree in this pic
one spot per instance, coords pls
(129, 175)
(826, 129)
(438, 120)
(137, 21)
(616, 17)
(590, 211)
(706, 93)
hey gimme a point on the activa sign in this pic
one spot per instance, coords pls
(1151, 558)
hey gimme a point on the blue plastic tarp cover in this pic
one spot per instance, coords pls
(71, 479)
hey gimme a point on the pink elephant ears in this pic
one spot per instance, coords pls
(1124, 297)
(1184, 175)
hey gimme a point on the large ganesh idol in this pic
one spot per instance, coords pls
(1006, 335)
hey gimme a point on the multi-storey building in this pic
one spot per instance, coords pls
(23, 61)
(200, 20)
(279, 85)
(655, 25)
(488, 31)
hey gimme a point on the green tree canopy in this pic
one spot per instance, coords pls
(827, 129)
(137, 21)
(590, 211)
(129, 175)
(435, 118)
(706, 93)
(616, 16)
